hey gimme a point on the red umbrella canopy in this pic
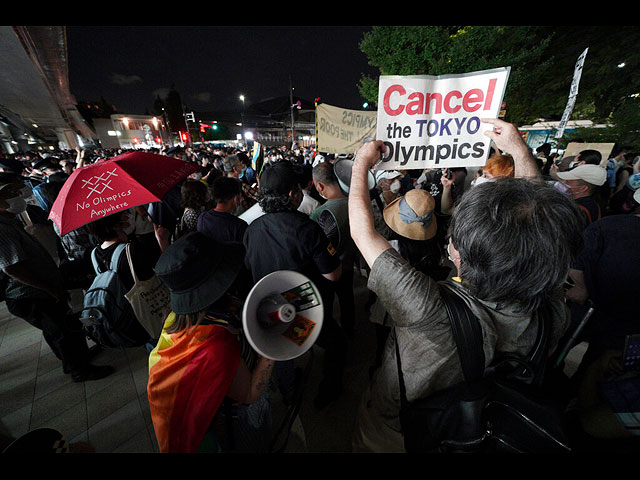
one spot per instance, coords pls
(114, 185)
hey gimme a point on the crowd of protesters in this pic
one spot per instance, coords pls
(231, 223)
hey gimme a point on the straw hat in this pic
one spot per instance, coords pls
(412, 215)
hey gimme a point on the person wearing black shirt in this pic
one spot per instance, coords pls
(286, 239)
(605, 272)
(220, 223)
(110, 231)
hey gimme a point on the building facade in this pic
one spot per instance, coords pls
(132, 132)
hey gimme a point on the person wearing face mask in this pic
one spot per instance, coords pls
(388, 182)
(310, 195)
(53, 180)
(248, 174)
(333, 215)
(193, 201)
(497, 166)
(585, 157)
(74, 262)
(233, 167)
(498, 276)
(219, 223)
(33, 288)
(582, 184)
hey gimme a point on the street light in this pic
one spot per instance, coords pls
(242, 113)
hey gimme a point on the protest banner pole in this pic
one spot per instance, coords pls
(315, 103)
(293, 136)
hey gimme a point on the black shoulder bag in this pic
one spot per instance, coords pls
(492, 411)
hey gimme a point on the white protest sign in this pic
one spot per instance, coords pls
(341, 130)
(573, 93)
(434, 121)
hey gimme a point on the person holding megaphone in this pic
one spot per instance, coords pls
(202, 362)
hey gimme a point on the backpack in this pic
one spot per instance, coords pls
(107, 317)
(500, 410)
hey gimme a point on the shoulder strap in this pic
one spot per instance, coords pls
(133, 270)
(467, 333)
(531, 369)
(403, 392)
(115, 258)
(465, 327)
(586, 211)
(94, 260)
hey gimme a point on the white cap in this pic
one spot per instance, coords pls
(387, 175)
(593, 174)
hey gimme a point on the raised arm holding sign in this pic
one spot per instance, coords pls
(367, 239)
(370, 243)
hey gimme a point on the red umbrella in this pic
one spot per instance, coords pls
(114, 185)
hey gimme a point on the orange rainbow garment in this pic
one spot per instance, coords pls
(189, 375)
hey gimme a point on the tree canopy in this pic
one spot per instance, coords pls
(542, 61)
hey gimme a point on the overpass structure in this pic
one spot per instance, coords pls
(37, 109)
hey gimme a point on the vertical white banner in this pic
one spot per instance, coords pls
(573, 93)
(434, 121)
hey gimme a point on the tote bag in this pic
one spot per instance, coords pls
(149, 299)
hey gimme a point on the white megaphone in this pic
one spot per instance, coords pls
(282, 315)
(342, 169)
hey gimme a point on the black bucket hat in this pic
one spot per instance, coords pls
(198, 271)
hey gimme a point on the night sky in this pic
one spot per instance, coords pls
(211, 66)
